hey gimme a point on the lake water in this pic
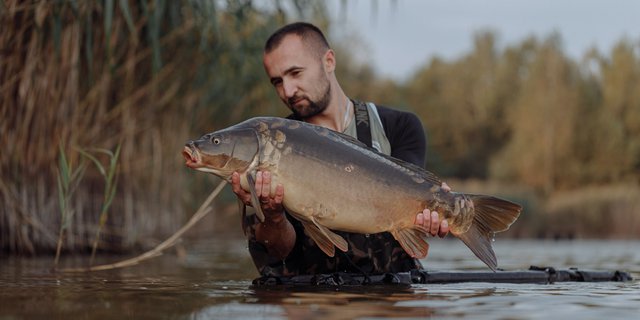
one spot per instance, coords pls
(213, 281)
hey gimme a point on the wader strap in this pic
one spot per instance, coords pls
(362, 122)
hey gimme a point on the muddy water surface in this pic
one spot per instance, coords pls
(213, 281)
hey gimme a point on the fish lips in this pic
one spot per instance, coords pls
(192, 157)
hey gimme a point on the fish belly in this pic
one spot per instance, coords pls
(347, 198)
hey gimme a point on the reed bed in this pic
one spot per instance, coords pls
(137, 78)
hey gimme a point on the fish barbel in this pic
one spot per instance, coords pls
(334, 182)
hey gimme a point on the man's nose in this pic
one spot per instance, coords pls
(290, 88)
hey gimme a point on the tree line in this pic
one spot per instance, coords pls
(528, 113)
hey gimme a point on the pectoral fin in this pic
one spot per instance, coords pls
(412, 241)
(255, 202)
(326, 239)
(321, 241)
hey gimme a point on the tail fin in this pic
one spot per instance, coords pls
(491, 215)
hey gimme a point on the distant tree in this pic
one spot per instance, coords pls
(544, 120)
(618, 144)
(463, 106)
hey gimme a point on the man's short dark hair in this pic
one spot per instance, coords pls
(310, 35)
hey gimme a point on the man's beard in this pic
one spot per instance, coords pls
(313, 108)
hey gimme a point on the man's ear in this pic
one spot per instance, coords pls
(329, 61)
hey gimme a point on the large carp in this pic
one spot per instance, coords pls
(333, 181)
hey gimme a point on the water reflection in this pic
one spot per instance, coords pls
(353, 303)
(321, 303)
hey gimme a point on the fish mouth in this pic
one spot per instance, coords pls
(191, 157)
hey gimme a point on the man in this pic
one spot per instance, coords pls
(301, 67)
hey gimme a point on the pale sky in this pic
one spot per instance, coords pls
(402, 35)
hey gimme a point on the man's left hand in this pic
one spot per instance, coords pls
(432, 223)
(430, 220)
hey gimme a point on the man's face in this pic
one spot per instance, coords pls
(299, 77)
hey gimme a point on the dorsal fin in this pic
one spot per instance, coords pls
(417, 171)
(353, 140)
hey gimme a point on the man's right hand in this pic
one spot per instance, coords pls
(275, 232)
(271, 205)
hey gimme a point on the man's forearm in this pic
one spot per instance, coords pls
(278, 236)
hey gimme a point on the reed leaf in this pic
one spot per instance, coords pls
(108, 23)
(126, 12)
(67, 181)
(110, 187)
(57, 30)
(88, 45)
(108, 18)
(95, 160)
(152, 14)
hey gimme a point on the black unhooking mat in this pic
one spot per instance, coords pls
(533, 275)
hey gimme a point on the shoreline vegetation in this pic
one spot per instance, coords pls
(98, 97)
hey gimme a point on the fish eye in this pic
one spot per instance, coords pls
(215, 140)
